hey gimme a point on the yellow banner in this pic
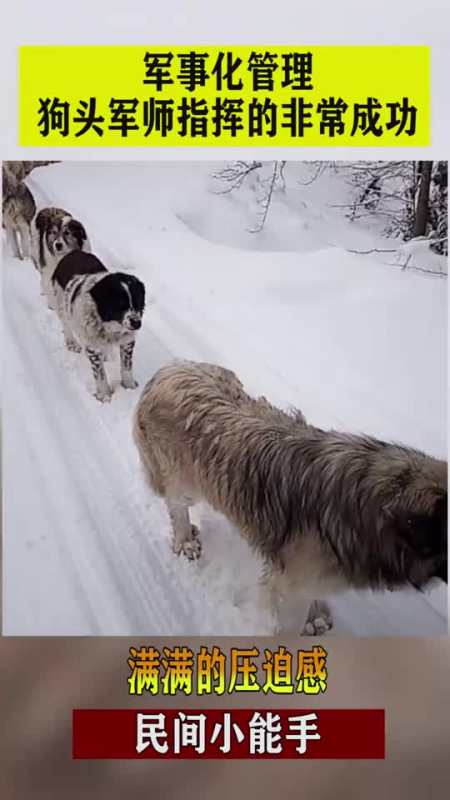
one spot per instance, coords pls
(215, 96)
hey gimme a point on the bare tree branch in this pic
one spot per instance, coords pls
(235, 174)
(267, 199)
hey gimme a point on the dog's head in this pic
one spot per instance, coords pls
(120, 301)
(414, 526)
(64, 236)
(73, 235)
(62, 233)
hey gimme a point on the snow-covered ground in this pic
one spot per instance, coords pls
(353, 341)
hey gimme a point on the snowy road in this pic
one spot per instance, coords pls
(86, 546)
(93, 548)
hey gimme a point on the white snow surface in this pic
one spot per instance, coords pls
(354, 341)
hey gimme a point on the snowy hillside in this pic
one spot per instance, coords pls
(353, 340)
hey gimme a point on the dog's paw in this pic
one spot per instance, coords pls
(73, 347)
(129, 383)
(319, 619)
(192, 547)
(103, 397)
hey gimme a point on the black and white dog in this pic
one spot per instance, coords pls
(98, 310)
(55, 233)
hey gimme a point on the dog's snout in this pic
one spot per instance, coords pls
(135, 323)
(58, 246)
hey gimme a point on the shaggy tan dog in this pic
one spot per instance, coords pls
(325, 510)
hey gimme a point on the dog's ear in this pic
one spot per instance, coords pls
(77, 230)
(41, 248)
(137, 291)
(41, 220)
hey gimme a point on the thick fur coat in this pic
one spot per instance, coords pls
(325, 510)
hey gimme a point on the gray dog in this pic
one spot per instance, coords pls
(327, 511)
(18, 209)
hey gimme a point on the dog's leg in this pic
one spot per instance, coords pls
(44, 281)
(19, 243)
(69, 339)
(49, 292)
(49, 289)
(294, 610)
(25, 239)
(34, 248)
(13, 241)
(102, 390)
(9, 238)
(126, 366)
(185, 535)
(268, 598)
(319, 619)
(51, 298)
(300, 614)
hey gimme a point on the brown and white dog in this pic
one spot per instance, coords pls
(55, 233)
(326, 511)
